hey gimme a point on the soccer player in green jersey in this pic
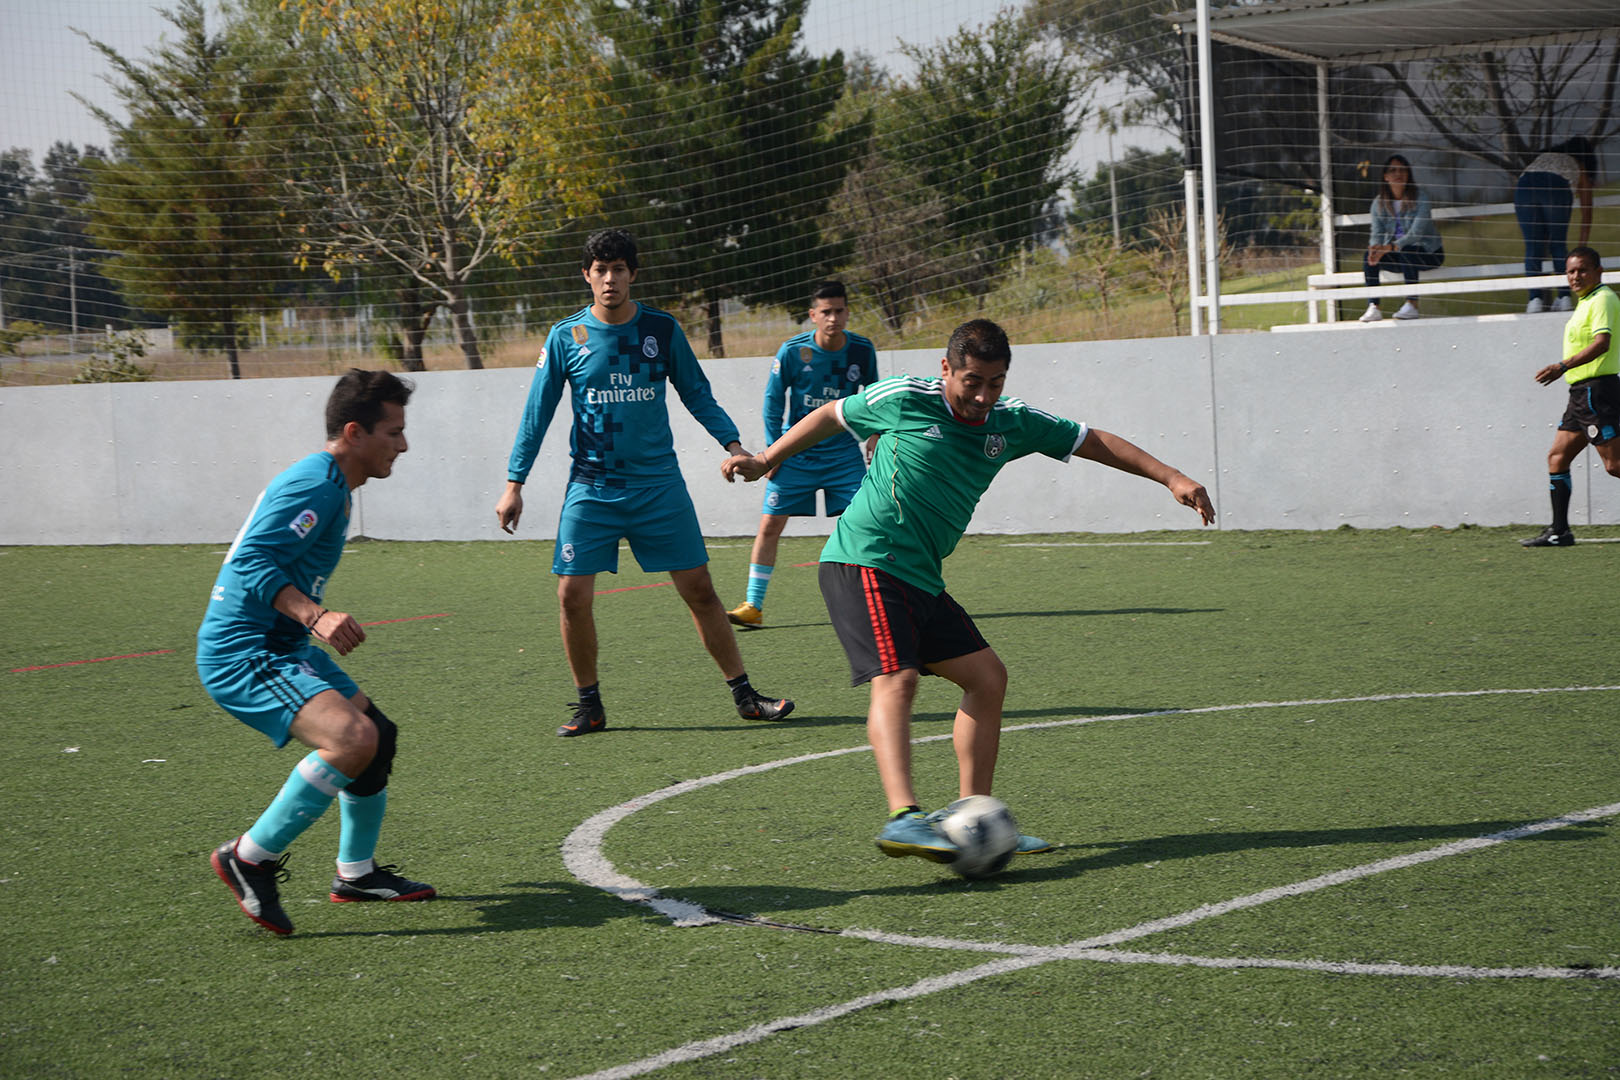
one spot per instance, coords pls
(940, 443)
(1591, 367)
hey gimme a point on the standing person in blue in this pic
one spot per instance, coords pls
(1591, 368)
(618, 357)
(256, 660)
(1403, 237)
(811, 369)
(1543, 198)
(941, 442)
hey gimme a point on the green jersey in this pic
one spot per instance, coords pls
(928, 473)
(1597, 313)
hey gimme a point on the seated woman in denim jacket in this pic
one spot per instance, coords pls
(1403, 235)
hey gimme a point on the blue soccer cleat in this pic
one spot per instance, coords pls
(913, 833)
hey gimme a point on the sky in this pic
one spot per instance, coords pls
(43, 62)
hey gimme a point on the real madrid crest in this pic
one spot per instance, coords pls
(853, 373)
(994, 446)
(580, 334)
(649, 346)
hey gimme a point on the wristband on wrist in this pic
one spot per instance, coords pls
(316, 620)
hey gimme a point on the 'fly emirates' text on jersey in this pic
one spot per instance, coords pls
(617, 376)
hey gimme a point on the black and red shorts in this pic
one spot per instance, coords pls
(886, 625)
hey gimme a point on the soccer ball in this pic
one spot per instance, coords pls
(985, 833)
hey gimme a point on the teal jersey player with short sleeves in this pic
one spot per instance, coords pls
(618, 377)
(294, 535)
(805, 377)
(928, 473)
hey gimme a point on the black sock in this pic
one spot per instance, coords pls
(591, 695)
(1562, 488)
(741, 691)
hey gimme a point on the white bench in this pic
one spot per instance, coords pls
(1500, 277)
(1481, 278)
(1491, 282)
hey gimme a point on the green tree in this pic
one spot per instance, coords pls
(437, 136)
(185, 201)
(50, 271)
(986, 121)
(728, 160)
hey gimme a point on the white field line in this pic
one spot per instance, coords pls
(582, 848)
(584, 859)
(1119, 543)
(1089, 949)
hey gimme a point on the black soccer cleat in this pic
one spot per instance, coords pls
(757, 706)
(381, 884)
(588, 719)
(1549, 537)
(254, 886)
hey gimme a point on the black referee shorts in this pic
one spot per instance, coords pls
(1594, 409)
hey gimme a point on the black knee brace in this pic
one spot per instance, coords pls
(375, 776)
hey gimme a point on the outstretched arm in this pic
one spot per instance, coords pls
(1108, 449)
(817, 426)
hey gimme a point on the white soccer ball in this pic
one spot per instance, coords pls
(984, 832)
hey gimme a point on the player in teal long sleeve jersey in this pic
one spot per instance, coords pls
(617, 358)
(941, 441)
(256, 660)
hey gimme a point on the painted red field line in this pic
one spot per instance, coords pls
(410, 618)
(806, 564)
(97, 660)
(633, 588)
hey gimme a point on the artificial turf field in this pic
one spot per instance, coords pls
(1291, 774)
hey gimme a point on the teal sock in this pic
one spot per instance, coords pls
(362, 821)
(759, 579)
(309, 790)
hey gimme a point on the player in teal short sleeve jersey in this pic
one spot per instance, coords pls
(941, 441)
(256, 660)
(810, 369)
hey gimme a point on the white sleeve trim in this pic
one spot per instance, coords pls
(1085, 429)
(838, 411)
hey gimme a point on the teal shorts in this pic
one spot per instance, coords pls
(792, 491)
(265, 690)
(659, 522)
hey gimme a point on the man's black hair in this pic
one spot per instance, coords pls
(609, 245)
(360, 396)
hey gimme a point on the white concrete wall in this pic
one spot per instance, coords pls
(1423, 424)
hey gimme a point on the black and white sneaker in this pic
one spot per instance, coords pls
(381, 884)
(756, 706)
(254, 886)
(1549, 537)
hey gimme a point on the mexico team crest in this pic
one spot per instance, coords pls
(994, 446)
(580, 334)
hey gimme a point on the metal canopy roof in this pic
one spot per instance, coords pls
(1338, 32)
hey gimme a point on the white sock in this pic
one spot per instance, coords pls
(352, 870)
(248, 851)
